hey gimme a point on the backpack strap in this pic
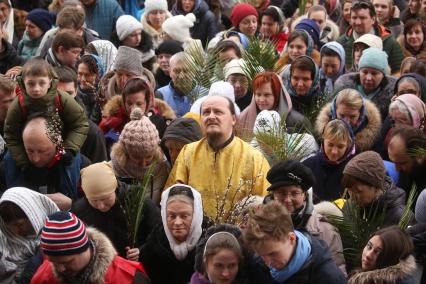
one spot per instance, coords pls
(21, 102)
(58, 102)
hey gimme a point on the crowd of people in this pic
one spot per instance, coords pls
(118, 164)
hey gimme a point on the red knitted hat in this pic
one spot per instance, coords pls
(240, 11)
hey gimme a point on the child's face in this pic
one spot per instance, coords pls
(334, 150)
(37, 86)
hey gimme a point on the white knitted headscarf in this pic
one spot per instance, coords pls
(181, 250)
(9, 26)
(37, 207)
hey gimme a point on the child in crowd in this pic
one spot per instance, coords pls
(37, 93)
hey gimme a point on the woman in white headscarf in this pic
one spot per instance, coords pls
(168, 255)
(22, 215)
(105, 50)
(7, 22)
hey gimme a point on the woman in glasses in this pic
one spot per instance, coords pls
(291, 185)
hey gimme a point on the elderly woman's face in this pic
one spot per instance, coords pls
(21, 227)
(407, 87)
(400, 118)
(362, 194)
(179, 219)
(291, 196)
(370, 78)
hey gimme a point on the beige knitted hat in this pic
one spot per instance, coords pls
(139, 137)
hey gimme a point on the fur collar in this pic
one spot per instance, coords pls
(105, 254)
(365, 138)
(113, 106)
(389, 274)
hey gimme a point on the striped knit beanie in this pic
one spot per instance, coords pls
(63, 234)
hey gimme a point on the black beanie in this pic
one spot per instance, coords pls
(169, 47)
(185, 130)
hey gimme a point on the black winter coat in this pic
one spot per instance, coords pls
(159, 261)
(328, 177)
(9, 57)
(113, 222)
(319, 269)
(206, 25)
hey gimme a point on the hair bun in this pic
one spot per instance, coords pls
(136, 114)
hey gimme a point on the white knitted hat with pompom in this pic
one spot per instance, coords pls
(177, 27)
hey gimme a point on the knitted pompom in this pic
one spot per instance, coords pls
(136, 114)
(191, 17)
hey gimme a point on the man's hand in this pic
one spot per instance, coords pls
(132, 253)
(62, 201)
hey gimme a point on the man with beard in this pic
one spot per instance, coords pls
(222, 167)
(402, 152)
(76, 255)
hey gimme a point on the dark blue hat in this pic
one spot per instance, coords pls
(42, 19)
(312, 28)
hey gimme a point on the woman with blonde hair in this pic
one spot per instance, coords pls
(155, 13)
(337, 148)
(361, 114)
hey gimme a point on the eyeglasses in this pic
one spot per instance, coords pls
(283, 196)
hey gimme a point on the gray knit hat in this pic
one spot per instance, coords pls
(129, 59)
(368, 167)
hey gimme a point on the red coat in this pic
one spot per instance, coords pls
(108, 267)
(280, 40)
(120, 271)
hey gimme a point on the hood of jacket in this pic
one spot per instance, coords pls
(105, 254)
(365, 136)
(113, 106)
(393, 196)
(392, 274)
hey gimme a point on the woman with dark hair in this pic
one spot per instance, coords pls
(169, 253)
(272, 27)
(301, 81)
(136, 93)
(386, 258)
(412, 10)
(90, 70)
(413, 41)
(299, 43)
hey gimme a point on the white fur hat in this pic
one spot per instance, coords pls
(126, 25)
(177, 27)
(267, 121)
(151, 5)
(219, 88)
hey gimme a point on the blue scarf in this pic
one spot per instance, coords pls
(303, 252)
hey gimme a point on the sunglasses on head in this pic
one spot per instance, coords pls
(362, 5)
